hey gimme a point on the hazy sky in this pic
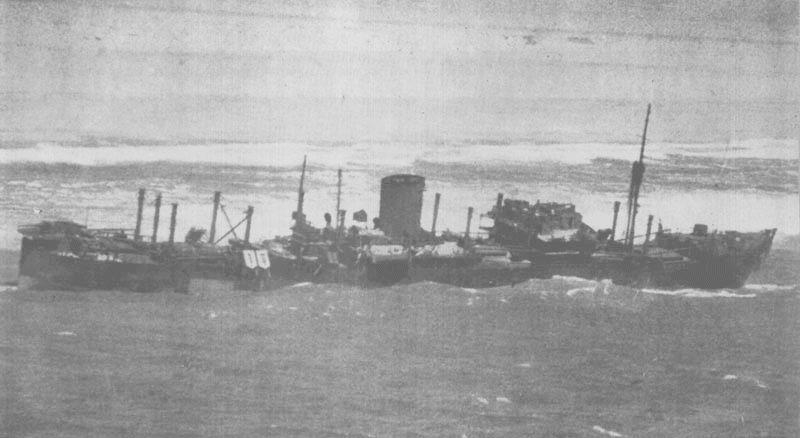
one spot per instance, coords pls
(397, 70)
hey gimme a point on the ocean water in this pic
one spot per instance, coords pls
(561, 357)
(747, 185)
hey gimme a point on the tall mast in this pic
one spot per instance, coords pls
(637, 175)
(301, 193)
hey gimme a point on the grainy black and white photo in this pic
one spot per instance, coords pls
(399, 218)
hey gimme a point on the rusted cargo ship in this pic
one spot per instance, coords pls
(527, 240)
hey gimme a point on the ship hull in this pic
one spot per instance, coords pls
(636, 270)
(702, 267)
(476, 278)
(287, 269)
(717, 273)
(719, 260)
(465, 272)
(48, 270)
(469, 272)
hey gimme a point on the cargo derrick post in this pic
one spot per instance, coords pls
(614, 221)
(139, 209)
(213, 230)
(299, 217)
(156, 216)
(249, 220)
(248, 217)
(173, 217)
(470, 210)
(436, 200)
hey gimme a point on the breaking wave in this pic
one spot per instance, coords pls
(287, 154)
(700, 293)
(606, 291)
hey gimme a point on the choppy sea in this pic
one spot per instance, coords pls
(563, 357)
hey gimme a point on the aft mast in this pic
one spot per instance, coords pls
(637, 175)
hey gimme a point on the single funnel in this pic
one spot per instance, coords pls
(401, 205)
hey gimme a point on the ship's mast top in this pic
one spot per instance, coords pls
(637, 175)
(644, 134)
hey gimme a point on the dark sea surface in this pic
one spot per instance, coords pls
(562, 357)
